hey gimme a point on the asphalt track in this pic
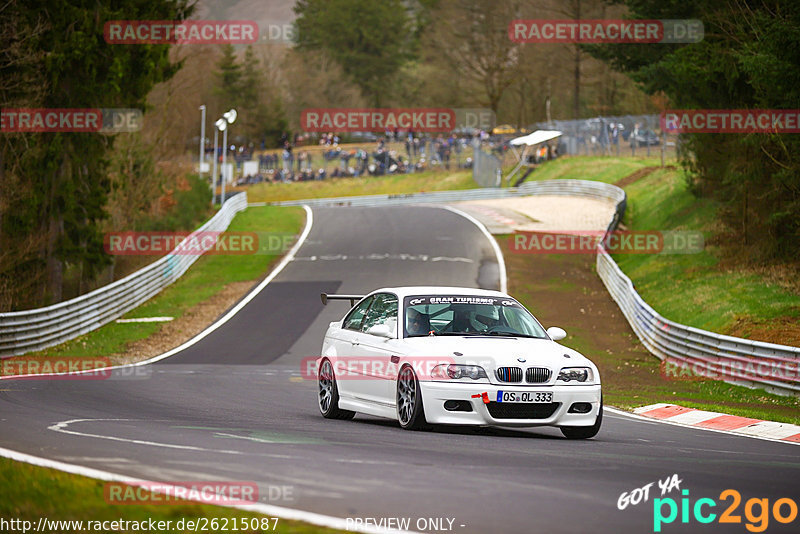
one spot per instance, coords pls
(234, 407)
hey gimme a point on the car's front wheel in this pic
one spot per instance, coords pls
(409, 401)
(584, 432)
(329, 394)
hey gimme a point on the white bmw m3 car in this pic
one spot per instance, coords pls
(457, 356)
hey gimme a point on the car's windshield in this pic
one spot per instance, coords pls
(442, 315)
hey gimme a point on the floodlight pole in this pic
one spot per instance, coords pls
(202, 140)
(229, 117)
(224, 161)
(214, 175)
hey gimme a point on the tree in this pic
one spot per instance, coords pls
(314, 80)
(65, 174)
(229, 78)
(261, 101)
(472, 38)
(244, 86)
(21, 74)
(748, 59)
(369, 40)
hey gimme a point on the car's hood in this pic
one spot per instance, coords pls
(500, 351)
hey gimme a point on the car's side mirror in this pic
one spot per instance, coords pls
(556, 333)
(381, 330)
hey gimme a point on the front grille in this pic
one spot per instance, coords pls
(509, 374)
(514, 410)
(537, 375)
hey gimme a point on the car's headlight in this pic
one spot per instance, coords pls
(576, 374)
(455, 371)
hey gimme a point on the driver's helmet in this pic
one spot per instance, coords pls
(461, 322)
(417, 323)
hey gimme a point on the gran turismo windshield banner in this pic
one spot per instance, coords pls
(461, 299)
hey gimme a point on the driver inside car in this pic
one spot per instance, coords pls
(460, 323)
(418, 324)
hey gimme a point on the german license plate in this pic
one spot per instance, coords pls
(525, 396)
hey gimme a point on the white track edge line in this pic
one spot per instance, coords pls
(291, 513)
(617, 411)
(265, 509)
(501, 262)
(219, 322)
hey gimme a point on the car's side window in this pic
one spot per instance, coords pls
(356, 316)
(382, 312)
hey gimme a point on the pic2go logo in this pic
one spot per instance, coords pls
(756, 511)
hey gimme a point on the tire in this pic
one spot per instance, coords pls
(584, 432)
(328, 399)
(410, 412)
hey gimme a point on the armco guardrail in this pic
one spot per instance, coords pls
(734, 360)
(549, 187)
(29, 330)
(702, 353)
(699, 353)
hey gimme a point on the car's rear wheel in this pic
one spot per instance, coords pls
(410, 412)
(584, 432)
(329, 394)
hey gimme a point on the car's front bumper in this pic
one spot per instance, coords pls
(434, 395)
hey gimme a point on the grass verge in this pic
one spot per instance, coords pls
(598, 168)
(33, 492)
(394, 184)
(709, 290)
(703, 290)
(700, 290)
(608, 169)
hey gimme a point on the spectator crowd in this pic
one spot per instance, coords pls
(393, 153)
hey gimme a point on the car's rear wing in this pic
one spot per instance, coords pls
(352, 298)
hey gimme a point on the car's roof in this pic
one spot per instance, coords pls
(405, 291)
